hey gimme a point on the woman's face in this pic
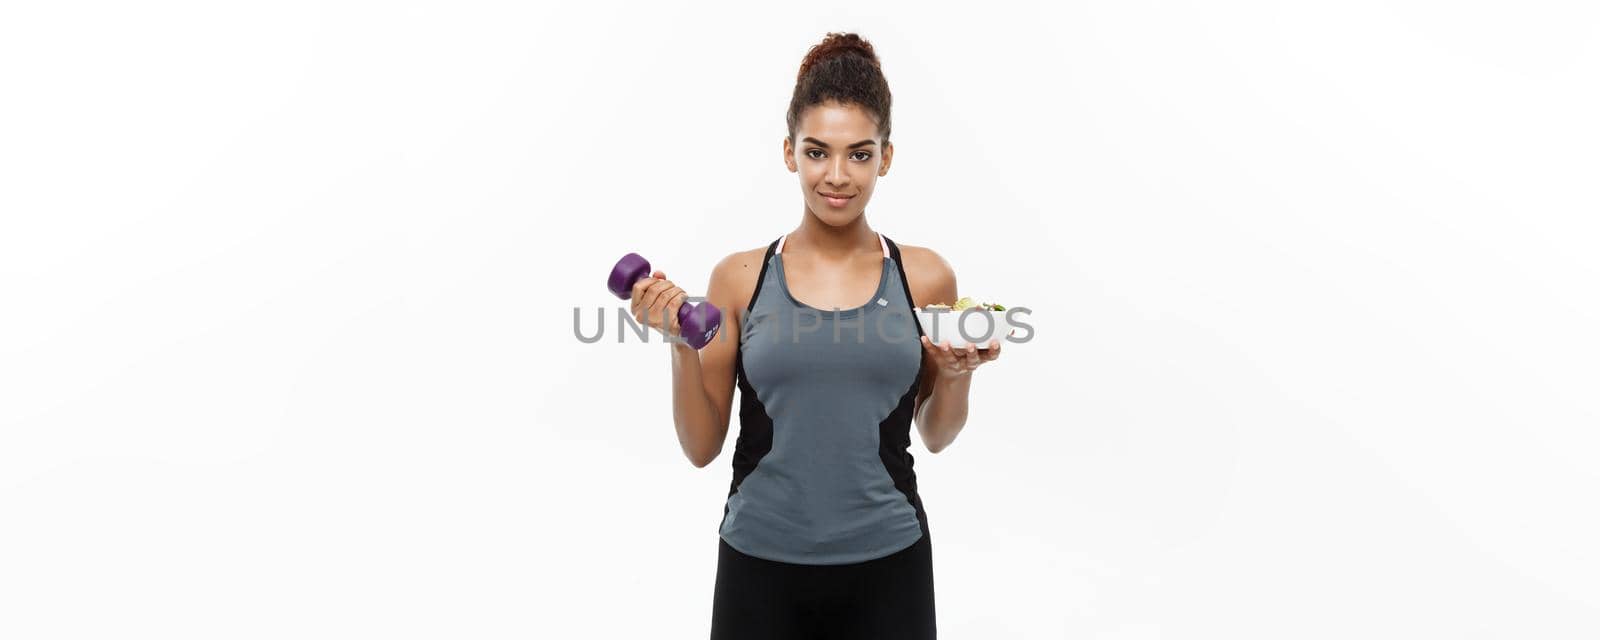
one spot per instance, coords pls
(836, 152)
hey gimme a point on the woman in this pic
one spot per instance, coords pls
(823, 533)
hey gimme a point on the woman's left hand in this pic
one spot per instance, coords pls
(960, 362)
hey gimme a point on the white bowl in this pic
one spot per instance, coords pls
(973, 323)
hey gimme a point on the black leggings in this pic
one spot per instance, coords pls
(888, 598)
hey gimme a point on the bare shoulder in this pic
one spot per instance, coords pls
(931, 277)
(735, 277)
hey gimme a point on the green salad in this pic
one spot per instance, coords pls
(965, 303)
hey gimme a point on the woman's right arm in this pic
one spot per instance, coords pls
(702, 381)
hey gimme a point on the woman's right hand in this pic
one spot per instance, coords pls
(655, 303)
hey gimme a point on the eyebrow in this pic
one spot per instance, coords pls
(824, 145)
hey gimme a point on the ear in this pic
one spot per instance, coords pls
(888, 157)
(788, 155)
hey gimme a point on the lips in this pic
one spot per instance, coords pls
(835, 199)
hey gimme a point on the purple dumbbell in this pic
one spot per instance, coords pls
(697, 323)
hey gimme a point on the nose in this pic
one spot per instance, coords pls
(837, 178)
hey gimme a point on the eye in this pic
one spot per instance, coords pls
(818, 154)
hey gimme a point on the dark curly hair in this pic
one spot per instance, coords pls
(843, 68)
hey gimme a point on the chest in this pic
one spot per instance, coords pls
(873, 349)
(869, 342)
(832, 287)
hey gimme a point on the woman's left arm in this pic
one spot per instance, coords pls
(941, 405)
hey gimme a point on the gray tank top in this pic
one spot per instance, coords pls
(822, 473)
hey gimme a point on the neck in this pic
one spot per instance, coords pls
(830, 242)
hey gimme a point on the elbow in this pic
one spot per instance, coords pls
(930, 439)
(700, 445)
(936, 441)
(700, 459)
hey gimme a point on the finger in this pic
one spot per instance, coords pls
(941, 359)
(664, 297)
(643, 284)
(641, 300)
(674, 302)
(994, 351)
(643, 295)
(647, 299)
(652, 296)
(662, 301)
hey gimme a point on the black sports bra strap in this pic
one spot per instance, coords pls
(905, 283)
(761, 277)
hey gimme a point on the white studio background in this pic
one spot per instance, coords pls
(287, 348)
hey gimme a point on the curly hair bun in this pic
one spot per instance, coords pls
(843, 68)
(836, 45)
